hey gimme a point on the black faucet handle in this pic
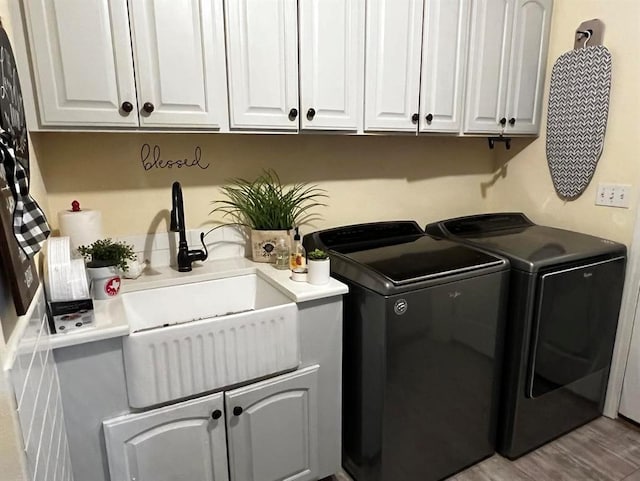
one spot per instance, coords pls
(204, 247)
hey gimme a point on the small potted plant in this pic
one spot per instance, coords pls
(318, 267)
(270, 209)
(106, 259)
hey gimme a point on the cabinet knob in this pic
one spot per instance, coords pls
(148, 107)
(293, 114)
(429, 117)
(217, 414)
(237, 411)
(512, 121)
(126, 107)
(311, 113)
(503, 121)
(415, 118)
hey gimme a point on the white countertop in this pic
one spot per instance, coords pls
(111, 320)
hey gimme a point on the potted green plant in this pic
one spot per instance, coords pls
(269, 209)
(106, 258)
(318, 267)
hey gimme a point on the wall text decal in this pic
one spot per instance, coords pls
(151, 158)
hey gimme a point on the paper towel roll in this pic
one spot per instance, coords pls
(83, 227)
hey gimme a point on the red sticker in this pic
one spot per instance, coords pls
(112, 287)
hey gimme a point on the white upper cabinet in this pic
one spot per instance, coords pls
(183, 441)
(331, 64)
(508, 56)
(491, 27)
(416, 61)
(444, 57)
(272, 428)
(392, 85)
(528, 65)
(179, 62)
(262, 52)
(82, 62)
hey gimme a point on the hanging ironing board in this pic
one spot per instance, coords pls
(577, 117)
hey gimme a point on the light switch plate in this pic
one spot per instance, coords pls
(613, 195)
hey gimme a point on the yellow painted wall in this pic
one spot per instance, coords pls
(367, 178)
(527, 184)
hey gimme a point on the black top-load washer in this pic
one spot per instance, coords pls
(423, 335)
(564, 299)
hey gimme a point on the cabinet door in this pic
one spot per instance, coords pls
(262, 44)
(82, 62)
(180, 62)
(528, 65)
(491, 27)
(272, 428)
(392, 86)
(182, 441)
(444, 56)
(331, 64)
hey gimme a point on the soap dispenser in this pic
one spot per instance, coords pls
(298, 254)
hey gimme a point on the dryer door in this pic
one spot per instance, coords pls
(575, 324)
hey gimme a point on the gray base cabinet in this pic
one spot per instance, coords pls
(289, 428)
(183, 441)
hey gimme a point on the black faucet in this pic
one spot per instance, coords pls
(185, 256)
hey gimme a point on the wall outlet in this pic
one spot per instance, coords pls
(613, 195)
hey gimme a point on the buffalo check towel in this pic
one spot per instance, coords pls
(30, 226)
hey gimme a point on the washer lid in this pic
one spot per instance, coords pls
(528, 246)
(419, 258)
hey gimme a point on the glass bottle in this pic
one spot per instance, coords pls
(281, 255)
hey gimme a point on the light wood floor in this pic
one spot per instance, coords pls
(603, 450)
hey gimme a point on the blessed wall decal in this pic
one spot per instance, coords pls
(151, 158)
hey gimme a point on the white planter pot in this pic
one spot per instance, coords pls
(319, 271)
(263, 244)
(105, 282)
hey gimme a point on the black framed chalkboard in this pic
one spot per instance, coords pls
(12, 117)
(20, 271)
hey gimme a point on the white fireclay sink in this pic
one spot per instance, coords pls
(193, 338)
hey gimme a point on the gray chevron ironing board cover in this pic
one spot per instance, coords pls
(577, 117)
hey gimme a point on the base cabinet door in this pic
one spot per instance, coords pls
(272, 428)
(184, 441)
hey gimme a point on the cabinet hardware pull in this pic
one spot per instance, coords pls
(237, 411)
(293, 114)
(415, 118)
(148, 107)
(217, 414)
(311, 113)
(503, 121)
(429, 117)
(512, 121)
(127, 107)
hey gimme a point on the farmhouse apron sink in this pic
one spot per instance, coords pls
(193, 338)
